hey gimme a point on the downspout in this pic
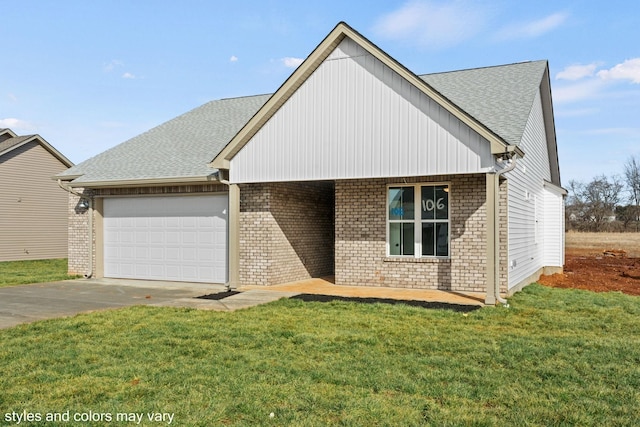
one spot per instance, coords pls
(226, 182)
(510, 165)
(89, 272)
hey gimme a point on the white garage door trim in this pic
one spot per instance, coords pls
(173, 238)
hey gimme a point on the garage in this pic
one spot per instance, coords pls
(181, 238)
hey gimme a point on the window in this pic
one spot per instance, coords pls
(418, 229)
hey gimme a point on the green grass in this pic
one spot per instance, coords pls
(555, 358)
(39, 271)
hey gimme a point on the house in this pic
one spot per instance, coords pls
(355, 167)
(33, 209)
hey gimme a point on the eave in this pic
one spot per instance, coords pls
(144, 182)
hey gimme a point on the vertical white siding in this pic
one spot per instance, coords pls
(356, 118)
(526, 200)
(553, 222)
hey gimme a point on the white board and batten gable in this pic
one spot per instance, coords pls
(354, 117)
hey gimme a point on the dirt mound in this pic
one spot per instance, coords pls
(608, 270)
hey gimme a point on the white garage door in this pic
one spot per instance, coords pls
(166, 238)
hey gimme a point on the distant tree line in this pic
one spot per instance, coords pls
(606, 203)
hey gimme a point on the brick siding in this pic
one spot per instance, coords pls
(79, 246)
(360, 246)
(286, 232)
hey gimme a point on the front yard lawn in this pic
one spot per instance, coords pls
(556, 357)
(40, 271)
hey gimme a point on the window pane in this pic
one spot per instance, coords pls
(401, 203)
(395, 239)
(427, 201)
(408, 239)
(442, 239)
(428, 239)
(401, 239)
(442, 202)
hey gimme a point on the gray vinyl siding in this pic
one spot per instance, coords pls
(33, 209)
(356, 118)
(526, 200)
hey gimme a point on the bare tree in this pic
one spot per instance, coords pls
(632, 179)
(575, 206)
(592, 206)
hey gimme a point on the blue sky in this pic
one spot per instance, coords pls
(88, 75)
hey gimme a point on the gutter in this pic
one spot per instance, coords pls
(510, 165)
(89, 272)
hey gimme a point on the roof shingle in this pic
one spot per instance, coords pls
(499, 97)
(179, 148)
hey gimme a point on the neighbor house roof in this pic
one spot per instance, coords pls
(10, 141)
(176, 151)
(495, 101)
(501, 97)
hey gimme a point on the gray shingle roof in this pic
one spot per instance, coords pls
(12, 142)
(499, 97)
(179, 148)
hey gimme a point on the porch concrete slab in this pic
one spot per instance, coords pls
(324, 286)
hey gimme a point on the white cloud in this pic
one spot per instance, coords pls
(128, 76)
(534, 28)
(628, 70)
(12, 97)
(577, 91)
(233, 58)
(16, 124)
(433, 24)
(290, 62)
(577, 72)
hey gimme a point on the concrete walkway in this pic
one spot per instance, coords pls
(29, 303)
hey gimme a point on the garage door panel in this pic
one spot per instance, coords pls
(172, 222)
(189, 237)
(156, 238)
(166, 238)
(173, 237)
(156, 254)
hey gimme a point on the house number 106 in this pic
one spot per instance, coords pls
(429, 205)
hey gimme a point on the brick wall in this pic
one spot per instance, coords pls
(286, 232)
(79, 246)
(360, 246)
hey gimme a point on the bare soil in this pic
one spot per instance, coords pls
(600, 262)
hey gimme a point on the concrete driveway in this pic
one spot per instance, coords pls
(28, 303)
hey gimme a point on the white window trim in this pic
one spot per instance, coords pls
(417, 250)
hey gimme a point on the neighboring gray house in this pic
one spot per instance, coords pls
(33, 209)
(355, 167)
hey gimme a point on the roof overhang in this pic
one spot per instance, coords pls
(147, 182)
(313, 61)
(58, 155)
(550, 127)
